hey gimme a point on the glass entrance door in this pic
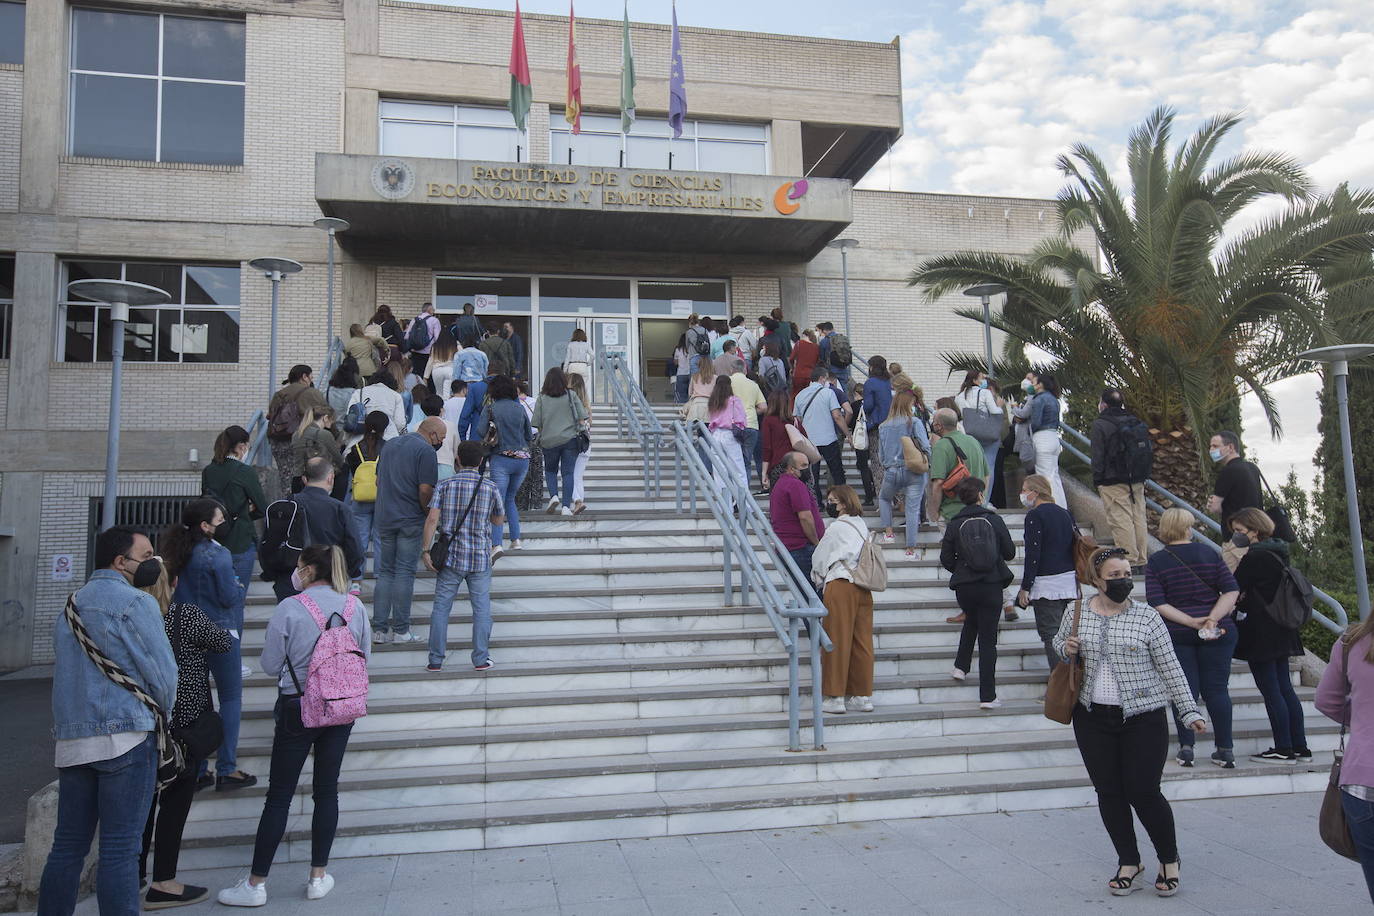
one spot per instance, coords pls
(607, 335)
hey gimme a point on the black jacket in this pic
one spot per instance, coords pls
(1261, 637)
(949, 551)
(331, 523)
(1099, 434)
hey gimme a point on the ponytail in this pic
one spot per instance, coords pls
(328, 564)
(227, 441)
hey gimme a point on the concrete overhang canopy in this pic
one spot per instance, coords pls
(410, 204)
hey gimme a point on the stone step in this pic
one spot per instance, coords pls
(494, 824)
(383, 788)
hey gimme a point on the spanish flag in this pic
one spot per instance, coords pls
(572, 113)
(520, 89)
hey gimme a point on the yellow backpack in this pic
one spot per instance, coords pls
(365, 479)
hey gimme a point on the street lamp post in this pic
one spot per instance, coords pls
(118, 295)
(986, 291)
(1338, 358)
(276, 270)
(844, 245)
(331, 225)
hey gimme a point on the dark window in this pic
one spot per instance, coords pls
(6, 303)
(584, 295)
(145, 86)
(11, 33)
(199, 325)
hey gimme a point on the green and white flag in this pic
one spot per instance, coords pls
(627, 76)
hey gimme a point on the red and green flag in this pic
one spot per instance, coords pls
(520, 90)
(572, 112)
(627, 76)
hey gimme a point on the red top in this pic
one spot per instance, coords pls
(789, 498)
(775, 441)
(804, 357)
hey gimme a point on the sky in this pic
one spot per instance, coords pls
(994, 90)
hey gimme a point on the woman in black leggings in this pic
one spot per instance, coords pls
(1121, 722)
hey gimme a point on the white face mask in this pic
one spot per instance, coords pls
(1027, 501)
(297, 580)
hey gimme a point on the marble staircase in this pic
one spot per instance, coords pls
(629, 700)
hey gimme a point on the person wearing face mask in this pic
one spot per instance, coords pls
(846, 670)
(1121, 723)
(407, 473)
(1238, 487)
(235, 486)
(1048, 582)
(105, 751)
(1264, 643)
(792, 508)
(287, 648)
(1044, 424)
(328, 521)
(204, 570)
(976, 399)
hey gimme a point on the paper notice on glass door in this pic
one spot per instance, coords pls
(484, 302)
(610, 334)
(680, 307)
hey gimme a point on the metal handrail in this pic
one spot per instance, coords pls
(1336, 623)
(259, 455)
(748, 539)
(635, 418)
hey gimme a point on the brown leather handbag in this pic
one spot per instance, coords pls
(1335, 832)
(1061, 696)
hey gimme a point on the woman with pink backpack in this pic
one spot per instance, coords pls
(317, 646)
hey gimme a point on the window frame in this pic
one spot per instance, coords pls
(455, 124)
(23, 28)
(73, 71)
(694, 130)
(180, 307)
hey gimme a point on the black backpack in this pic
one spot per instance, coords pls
(773, 378)
(417, 338)
(698, 341)
(1291, 606)
(1129, 453)
(978, 544)
(287, 533)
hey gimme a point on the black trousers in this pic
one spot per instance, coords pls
(834, 461)
(166, 821)
(863, 457)
(1125, 760)
(982, 607)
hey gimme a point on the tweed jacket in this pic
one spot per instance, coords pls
(1142, 654)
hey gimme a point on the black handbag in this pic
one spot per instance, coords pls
(438, 551)
(204, 734)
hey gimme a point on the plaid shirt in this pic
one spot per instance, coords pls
(470, 549)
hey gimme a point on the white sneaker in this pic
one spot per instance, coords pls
(517, 545)
(992, 704)
(316, 888)
(406, 637)
(497, 553)
(833, 704)
(889, 538)
(567, 510)
(552, 506)
(859, 704)
(244, 894)
(380, 637)
(245, 671)
(957, 674)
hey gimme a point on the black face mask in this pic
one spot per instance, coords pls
(147, 572)
(1240, 540)
(1118, 590)
(832, 510)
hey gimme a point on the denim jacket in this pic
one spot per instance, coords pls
(208, 582)
(1044, 412)
(512, 423)
(890, 434)
(126, 625)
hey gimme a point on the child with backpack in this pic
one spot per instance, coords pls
(975, 550)
(317, 647)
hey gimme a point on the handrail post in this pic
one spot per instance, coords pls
(794, 689)
(817, 717)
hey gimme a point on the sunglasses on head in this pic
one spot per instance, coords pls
(1107, 553)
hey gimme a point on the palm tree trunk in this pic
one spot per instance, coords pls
(1176, 467)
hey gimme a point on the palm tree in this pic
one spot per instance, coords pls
(1186, 306)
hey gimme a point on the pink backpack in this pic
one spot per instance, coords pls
(336, 687)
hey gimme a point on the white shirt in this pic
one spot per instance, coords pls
(838, 551)
(579, 351)
(977, 397)
(1058, 587)
(453, 409)
(445, 453)
(1105, 689)
(744, 340)
(380, 397)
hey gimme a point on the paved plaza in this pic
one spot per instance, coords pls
(1240, 856)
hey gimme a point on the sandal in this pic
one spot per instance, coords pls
(1122, 885)
(1164, 886)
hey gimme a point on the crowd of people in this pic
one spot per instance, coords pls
(426, 446)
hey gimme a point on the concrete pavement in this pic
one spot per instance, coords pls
(1240, 856)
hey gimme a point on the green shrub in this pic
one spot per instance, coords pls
(1317, 637)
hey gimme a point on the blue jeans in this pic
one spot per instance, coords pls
(1207, 666)
(291, 745)
(479, 597)
(362, 528)
(116, 794)
(680, 387)
(243, 569)
(560, 458)
(911, 486)
(1359, 815)
(753, 453)
(1281, 702)
(227, 670)
(508, 474)
(802, 557)
(396, 559)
